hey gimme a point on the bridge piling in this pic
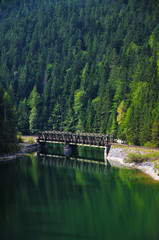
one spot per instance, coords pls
(106, 151)
(69, 149)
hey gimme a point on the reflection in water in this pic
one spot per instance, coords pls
(43, 198)
(74, 163)
(88, 153)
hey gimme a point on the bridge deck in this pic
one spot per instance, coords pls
(89, 139)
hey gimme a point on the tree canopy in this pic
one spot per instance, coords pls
(88, 65)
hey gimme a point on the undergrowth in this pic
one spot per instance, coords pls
(138, 157)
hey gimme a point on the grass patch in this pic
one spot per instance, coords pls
(117, 146)
(28, 140)
(138, 157)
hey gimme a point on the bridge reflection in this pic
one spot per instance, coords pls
(76, 163)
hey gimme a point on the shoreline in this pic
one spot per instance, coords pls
(27, 148)
(118, 154)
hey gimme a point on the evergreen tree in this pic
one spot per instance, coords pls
(33, 102)
(8, 130)
(95, 65)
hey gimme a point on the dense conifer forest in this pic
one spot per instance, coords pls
(80, 65)
(8, 130)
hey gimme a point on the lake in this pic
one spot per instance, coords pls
(76, 197)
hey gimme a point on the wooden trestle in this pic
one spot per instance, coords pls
(89, 139)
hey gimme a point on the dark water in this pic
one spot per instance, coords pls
(59, 198)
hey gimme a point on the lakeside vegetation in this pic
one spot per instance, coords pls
(151, 157)
(139, 158)
(87, 66)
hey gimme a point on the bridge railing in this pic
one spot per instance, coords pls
(75, 138)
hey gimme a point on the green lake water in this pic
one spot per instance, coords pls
(75, 198)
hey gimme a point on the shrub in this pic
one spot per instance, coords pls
(134, 157)
(19, 138)
(138, 157)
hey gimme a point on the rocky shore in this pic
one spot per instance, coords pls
(26, 149)
(119, 155)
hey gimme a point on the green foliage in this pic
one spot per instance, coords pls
(29, 140)
(33, 119)
(83, 66)
(138, 157)
(57, 117)
(33, 103)
(34, 98)
(23, 117)
(121, 112)
(79, 104)
(8, 123)
(19, 138)
(155, 134)
(135, 157)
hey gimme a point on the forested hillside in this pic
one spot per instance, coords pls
(8, 130)
(83, 65)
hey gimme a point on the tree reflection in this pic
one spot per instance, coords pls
(45, 199)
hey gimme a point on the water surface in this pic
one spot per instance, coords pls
(60, 198)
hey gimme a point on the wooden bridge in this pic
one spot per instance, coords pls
(69, 138)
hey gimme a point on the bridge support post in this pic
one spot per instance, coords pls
(70, 149)
(106, 150)
(67, 149)
(41, 146)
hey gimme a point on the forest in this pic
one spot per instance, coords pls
(80, 66)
